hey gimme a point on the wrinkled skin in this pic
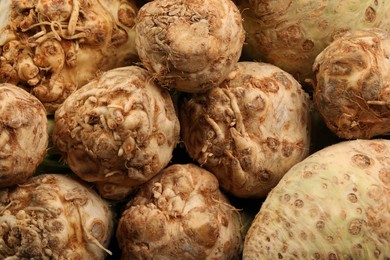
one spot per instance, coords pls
(290, 34)
(52, 47)
(182, 214)
(23, 134)
(250, 130)
(117, 131)
(191, 45)
(352, 87)
(53, 216)
(335, 204)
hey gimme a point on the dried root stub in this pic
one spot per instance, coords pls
(335, 204)
(189, 45)
(117, 131)
(23, 134)
(51, 48)
(250, 130)
(352, 88)
(291, 33)
(180, 213)
(53, 216)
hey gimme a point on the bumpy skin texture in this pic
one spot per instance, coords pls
(23, 134)
(180, 214)
(117, 131)
(335, 204)
(250, 130)
(352, 88)
(189, 45)
(290, 34)
(53, 216)
(53, 47)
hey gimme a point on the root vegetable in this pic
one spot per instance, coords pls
(54, 47)
(192, 45)
(352, 90)
(180, 213)
(53, 216)
(23, 134)
(250, 130)
(290, 34)
(117, 131)
(332, 205)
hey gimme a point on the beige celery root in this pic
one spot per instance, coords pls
(290, 34)
(53, 216)
(332, 205)
(189, 45)
(117, 131)
(54, 47)
(352, 90)
(23, 134)
(250, 130)
(180, 213)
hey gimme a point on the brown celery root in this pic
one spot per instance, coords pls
(54, 47)
(53, 216)
(189, 45)
(250, 130)
(180, 213)
(23, 134)
(352, 86)
(117, 131)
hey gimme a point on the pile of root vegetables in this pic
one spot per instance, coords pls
(194, 129)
